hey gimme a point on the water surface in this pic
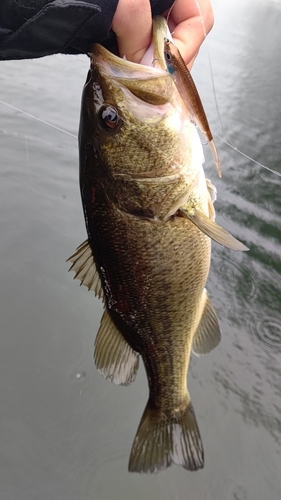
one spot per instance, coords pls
(66, 433)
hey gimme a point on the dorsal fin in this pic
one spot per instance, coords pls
(85, 268)
(208, 334)
(114, 357)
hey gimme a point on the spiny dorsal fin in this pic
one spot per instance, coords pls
(85, 268)
(208, 334)
(213, 230)
(165, 439)
(114, 358)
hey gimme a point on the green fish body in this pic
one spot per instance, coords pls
(149, 217)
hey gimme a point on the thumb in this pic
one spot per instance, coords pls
(132, 24)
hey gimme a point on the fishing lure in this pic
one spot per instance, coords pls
(189, 93)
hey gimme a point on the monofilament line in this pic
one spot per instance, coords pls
(38, 119)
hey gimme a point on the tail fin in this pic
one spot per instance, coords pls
(162, 440)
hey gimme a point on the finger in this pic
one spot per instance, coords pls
(190, 22)
(188, 37)
(132, 24)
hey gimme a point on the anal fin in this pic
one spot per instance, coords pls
(114, 357)
(208, 333)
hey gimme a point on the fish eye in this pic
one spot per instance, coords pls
(109, 116)
(168, 56)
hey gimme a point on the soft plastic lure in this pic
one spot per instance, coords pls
(189, 93)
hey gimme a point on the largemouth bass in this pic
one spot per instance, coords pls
(149, 217)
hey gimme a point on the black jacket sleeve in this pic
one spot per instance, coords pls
(36, 28)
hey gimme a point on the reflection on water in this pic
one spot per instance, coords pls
(66, 432)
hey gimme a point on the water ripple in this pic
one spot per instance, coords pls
(266, 333)
(238, 276)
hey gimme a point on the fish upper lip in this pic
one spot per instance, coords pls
(114, 63)
(113, 66)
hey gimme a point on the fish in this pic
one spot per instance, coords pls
(150, 218)
(186, 85)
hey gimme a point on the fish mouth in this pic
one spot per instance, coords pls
(149, 80)
(152, 63)
(114, 66)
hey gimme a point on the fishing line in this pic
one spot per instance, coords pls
(212, 74)
(227, 140)
(38, 119)
(248, 157)
(209, 63)
(170, 10)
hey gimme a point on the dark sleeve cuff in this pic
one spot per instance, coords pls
(30, 30)
(69, 27)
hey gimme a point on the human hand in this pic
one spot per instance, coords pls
(188, 28)
(71, 27)
(132, 24)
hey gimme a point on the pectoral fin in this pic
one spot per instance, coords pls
(213, 230)
(212, 190)
(114, 358)
(208, 334)
(211, 199)
(85, 268)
